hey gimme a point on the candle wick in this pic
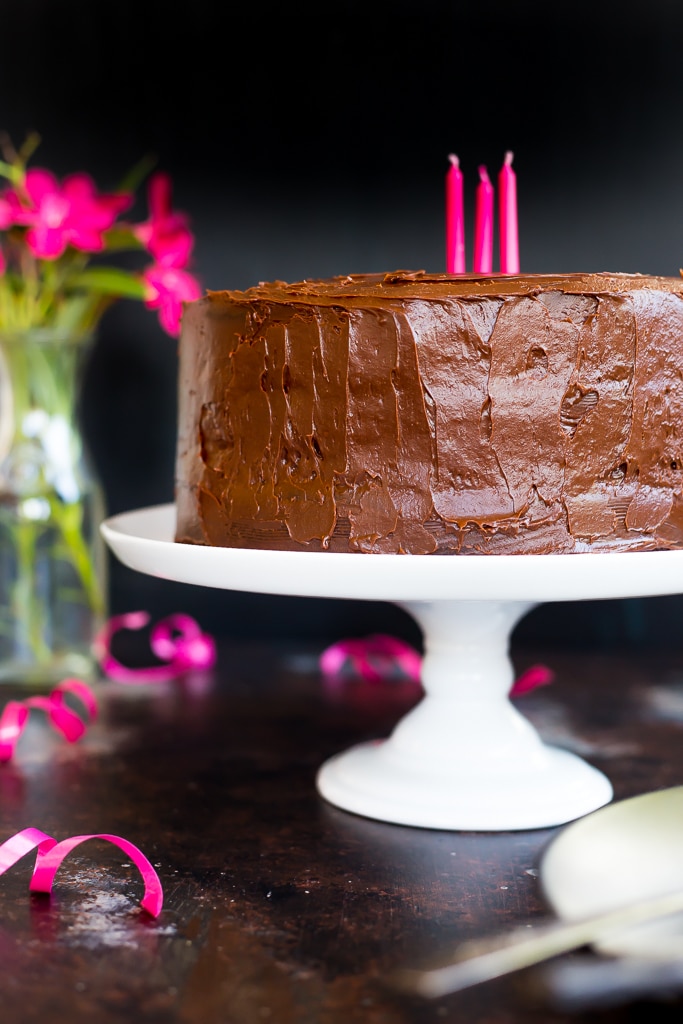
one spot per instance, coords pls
(484, 174)
(509, 157)
(454, 159)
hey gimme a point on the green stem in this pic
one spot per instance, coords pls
(26, 607)
(69, 519)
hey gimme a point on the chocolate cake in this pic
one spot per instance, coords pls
(414, 413)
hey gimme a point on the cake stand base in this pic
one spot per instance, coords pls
(369, 780)
(464, 758)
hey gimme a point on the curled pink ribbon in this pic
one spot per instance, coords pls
(379, 657)
(51, 854)
(177, 640)
(536, 675)
(63, 718)
(373, 658)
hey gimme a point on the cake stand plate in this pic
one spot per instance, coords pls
(464, 758)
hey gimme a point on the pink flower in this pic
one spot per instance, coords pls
(169, 240)
(6, 214)
(70, 214)
(165, 235)
(168, 287)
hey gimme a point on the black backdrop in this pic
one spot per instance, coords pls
(310, 140)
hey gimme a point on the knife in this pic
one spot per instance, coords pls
(485, 959)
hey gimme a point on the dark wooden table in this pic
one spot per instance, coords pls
(279, 907)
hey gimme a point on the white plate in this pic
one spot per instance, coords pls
(620, 855)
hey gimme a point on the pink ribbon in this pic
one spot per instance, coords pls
(379, 657)
(51, 854)
(177, 640)
(63, 718)
(373, 658)
(536, 675)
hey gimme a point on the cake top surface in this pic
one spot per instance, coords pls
(405, 284)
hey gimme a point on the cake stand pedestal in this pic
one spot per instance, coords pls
(464, 758)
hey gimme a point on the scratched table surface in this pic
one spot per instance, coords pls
(279, 907)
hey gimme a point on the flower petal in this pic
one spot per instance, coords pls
(85, 238)
(169, 288)
(40, 183)
(159, 194)
(46, 243)
(6, 214)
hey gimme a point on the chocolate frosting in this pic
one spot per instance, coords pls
(426, 413)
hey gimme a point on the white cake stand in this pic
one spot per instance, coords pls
(464, 758)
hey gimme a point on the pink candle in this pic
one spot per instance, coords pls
(483, 224)
(455, 219)
(507, 212)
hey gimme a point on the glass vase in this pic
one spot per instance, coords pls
(52, 558)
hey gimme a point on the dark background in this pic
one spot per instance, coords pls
(312, 139)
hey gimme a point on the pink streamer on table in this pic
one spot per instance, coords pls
(373, 658)
(64, 719)
(177, 640)
(380, 657)
(536, 675)
(51, 854)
